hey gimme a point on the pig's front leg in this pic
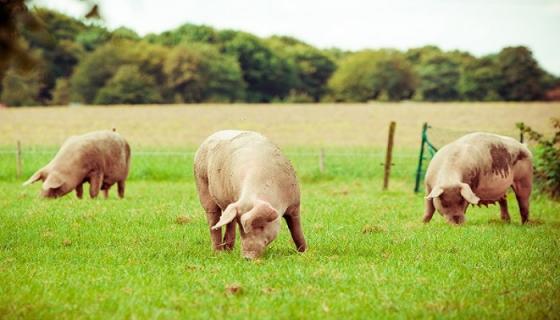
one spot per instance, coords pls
(213, 212)
(294, 224)
(80, 191)
(229, 236)
(429, 211)
(120, 186)
(95, 181)
(504, 210)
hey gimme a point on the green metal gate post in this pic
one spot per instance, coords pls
(421, 157)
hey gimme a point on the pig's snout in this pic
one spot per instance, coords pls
(457, 219)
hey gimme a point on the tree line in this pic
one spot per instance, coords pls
(86, 63)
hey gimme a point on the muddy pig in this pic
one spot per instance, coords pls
(478, 168)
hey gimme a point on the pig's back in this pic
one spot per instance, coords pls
(231, 158)
(104, 150)
(480, 156)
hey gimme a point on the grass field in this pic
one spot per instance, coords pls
(148, 255)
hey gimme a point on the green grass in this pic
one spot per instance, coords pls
(369, 254)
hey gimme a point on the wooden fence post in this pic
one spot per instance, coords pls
(322, 160)
(389, 155)
(18, 159)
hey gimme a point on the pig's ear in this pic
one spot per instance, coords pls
(436, 192)
(227, 216)
(53, 181)
(39, 175)
(258, 217)
(468, 194)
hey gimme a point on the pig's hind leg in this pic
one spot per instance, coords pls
(522, 186)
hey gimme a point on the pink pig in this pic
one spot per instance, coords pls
(478, 168)
(101, 158)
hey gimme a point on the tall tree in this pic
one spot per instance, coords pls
(313, 67)
(198, 73)
(267, 75)
(369, 75)
(522, 78)
(480, 80)
(439, 78)
(129, 86)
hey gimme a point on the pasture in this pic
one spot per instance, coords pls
(148, 255)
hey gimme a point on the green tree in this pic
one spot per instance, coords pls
(417, 55)
(186, 33)
(93, 37)
(125, 33)
(21, 89)
(267, 75)
(439, 77)
(200, 73)
(61, 93)
(368, 75)
(480, 80)
(522, 78)
(94, 70)
(129, 86)
(313, 67)
(56, 46)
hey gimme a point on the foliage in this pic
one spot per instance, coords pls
(200, 73)
(439, 77)
(266, 74)
(15, 19)
(93, 37)
(480, 80)
(275, 69)
(21, 90)
(94, 71)
(367, 75)
(547, 159)
(186, 33)
(313, 67)
(125, 33)
(61, 94)
(521, 75)
(129, 86)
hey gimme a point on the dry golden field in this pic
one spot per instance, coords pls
(333, 125)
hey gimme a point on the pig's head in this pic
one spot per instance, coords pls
(53, 183)
(452, 201)
(259, 226)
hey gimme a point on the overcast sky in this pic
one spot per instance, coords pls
(477, 26)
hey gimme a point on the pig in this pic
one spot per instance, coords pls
(478, 169)
(101, 158)
(243, 178)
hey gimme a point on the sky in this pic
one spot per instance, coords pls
(477, 26)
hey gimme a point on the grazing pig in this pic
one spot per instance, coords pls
(478, 169)
(243, 178)
(101, 158)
